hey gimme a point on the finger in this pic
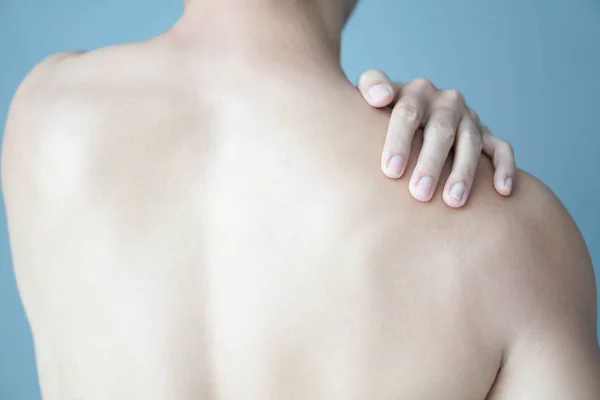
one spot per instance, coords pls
(467, 151)
(474, 116)
(376, 88)
(503, 158)
(405, 119)
(439, 136)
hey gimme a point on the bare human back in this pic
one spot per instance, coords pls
(188, 221)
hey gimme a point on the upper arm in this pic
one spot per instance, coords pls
(552, 350)
(551, 366)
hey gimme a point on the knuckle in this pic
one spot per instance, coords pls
(431, 164)
(474, 138)
(467, 172)
(422, 83)
(442, 129)
(371, 76)
(453, 96)
(447, 112)
(474, 116)
(503, 146)
(486, 133)
(408, 111)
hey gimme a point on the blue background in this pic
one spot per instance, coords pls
(529, 67)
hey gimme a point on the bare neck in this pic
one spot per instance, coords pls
(304, 33)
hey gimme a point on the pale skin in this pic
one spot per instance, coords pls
(203, 216)
(448, 124)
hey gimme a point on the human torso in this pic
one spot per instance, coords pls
(240, 244)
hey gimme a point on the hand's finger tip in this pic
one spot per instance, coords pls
(392, 167)
(453, 199)
(380, 95)
(422, 190)
(504, 186)
(456, 192)
(419, 197)
(377, 103)
(452, 203)
(373, 75)
(389, 174)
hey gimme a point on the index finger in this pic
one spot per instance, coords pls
(407, 116)
(377, 88)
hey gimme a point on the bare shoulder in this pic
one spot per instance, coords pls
(525, 252)
(38, 82)
(30, 108)
(70, 96)
(537, 266)
(542, 297)
(43, 89)
(69, 76)
(536, 286)
(50, 65)
(53, 112)
(546, 251)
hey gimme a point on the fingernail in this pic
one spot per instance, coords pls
(458, 191)
(424, 188)
(508, 184)
(380, 92)
(394, 167)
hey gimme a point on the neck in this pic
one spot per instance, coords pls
(279, 31)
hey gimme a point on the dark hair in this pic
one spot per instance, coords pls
(349, 8)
